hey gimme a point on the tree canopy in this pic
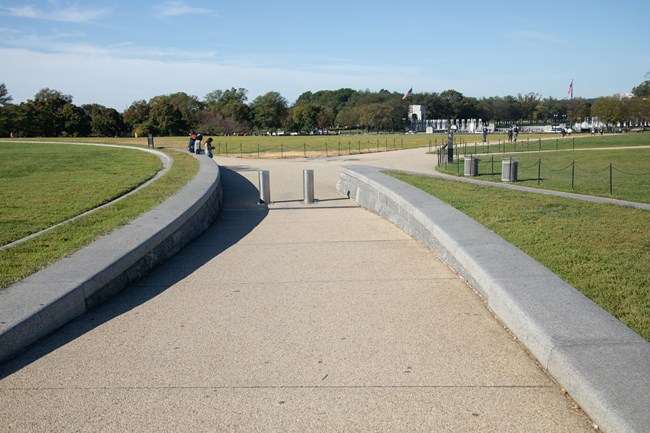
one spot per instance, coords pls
(52, 113)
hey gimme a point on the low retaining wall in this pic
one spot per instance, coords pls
(604, 365)
(47, 300)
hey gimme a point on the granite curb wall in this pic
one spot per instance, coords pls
(47, 300)
(600, 362)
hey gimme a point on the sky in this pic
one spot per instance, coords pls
(117, 52)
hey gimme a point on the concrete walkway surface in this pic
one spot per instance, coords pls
(289, 317)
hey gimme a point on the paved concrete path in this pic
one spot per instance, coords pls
(289, 318)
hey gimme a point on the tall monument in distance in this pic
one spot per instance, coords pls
(417, 117)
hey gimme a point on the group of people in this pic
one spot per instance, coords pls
(194, 145)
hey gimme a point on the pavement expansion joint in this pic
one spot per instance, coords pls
(263, 387)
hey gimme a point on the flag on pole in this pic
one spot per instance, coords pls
(570, 91)
(407, 94)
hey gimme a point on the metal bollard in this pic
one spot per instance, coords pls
(265, 187)
(308, 185)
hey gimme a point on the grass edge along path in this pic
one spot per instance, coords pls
(602, 250)
(35, 254)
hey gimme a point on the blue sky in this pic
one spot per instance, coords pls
(116, 52)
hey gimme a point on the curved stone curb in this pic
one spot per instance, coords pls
(603, 365)
(47, 300)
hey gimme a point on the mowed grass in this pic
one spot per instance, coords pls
(497, 143)
(316, 146)
(601, 250)
(583, 170)
(45, 184)
(37, 253)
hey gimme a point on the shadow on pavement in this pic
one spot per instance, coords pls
(240, 214)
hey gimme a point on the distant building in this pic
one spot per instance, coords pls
(417, 117)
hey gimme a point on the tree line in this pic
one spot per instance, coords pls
(225, 112)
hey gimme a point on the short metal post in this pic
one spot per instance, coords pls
(611, 180)
(308, 186)
(265, 187)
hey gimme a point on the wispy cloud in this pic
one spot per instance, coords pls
(56, 13)
(70, 43)
(22, 12)
(178, 8)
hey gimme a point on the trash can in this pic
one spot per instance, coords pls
(509, 170)
(471, 165)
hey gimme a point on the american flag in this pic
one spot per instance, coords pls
(570, 91)
(407, 94)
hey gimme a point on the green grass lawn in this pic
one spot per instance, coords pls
(471, 144)
(312, 146)
(34, 254)
(580, 170)
(601, 250)
(39, 180)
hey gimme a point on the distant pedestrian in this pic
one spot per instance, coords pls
(197, 144)
(485, 131)
(208, 147)
(515, 133)
(190, 145)
(510, 134)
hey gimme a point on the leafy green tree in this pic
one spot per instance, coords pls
(104, 121)
(644, 109)
(213, 123)
(136, 117)
(607, 109)
(325, 118)
(376, 116)
(526, 105)
(552, 110)
(269, 111)
(639, 109)
(47, 119)
(332, 100)
(6, 111)
(217, 99)
(5, 97)
(305, 117)
(165, 119)
(76, 121)
(230, 104)
(643, 89)
(577, 110)
(433, 103)
(7, 120)
(189, 107)
(23, 119)
(347, 118)
(165, 101)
